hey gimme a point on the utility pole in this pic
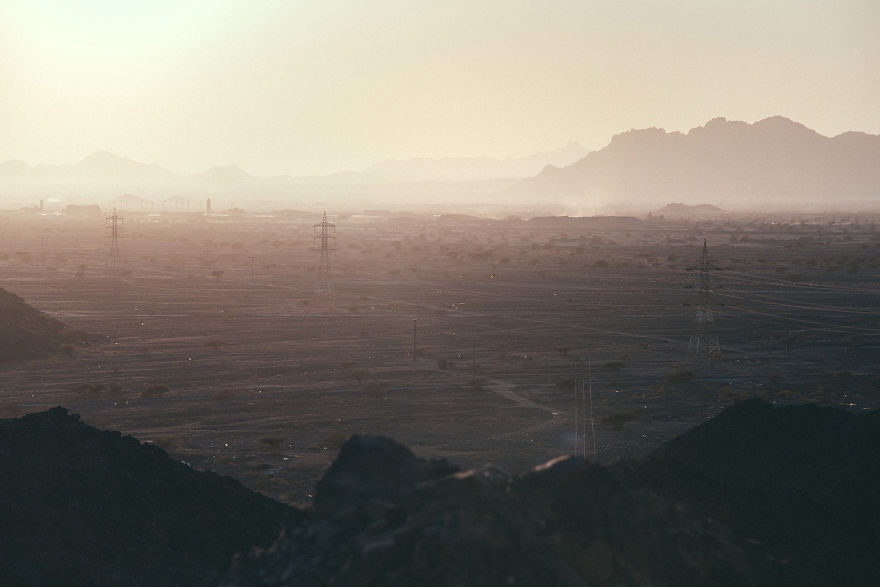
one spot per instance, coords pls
(325, 232)
(113, 222)
(583, 392)
(415, 322)
(704, 342)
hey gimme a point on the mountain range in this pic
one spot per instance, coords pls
(773, 163)
(103, 175)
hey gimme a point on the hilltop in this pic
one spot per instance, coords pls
(756, 495)
(27, 333)
(80, 506)
(774, 162)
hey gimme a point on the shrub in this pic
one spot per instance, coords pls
(620, 419)
(615, 366)
(272, 442)
(155, 391)
(679, 377)
(68, 350)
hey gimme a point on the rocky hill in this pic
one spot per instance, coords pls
(27, 333)
(738, 166)
(80, 506)
(756, 496)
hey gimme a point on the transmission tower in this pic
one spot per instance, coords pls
(113, 222)
(323, 285)
(704, 342)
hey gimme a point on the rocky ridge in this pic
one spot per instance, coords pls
(27, 333)
(758, 495)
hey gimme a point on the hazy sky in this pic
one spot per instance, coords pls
(315, 86)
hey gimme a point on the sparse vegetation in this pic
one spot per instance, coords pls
(679, 377)
(154, 391)
(620, 419)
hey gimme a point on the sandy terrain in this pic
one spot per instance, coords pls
(220, 352)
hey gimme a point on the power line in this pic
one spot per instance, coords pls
(324, 287)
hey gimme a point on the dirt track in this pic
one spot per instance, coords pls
(251, 375)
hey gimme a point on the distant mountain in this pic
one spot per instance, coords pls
(679, 210)
(103, 176)
(473, 168)
(774, 163)
(110, 165)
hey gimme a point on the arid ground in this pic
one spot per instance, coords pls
(219, 350)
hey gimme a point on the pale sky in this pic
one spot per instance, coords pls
(317, 86)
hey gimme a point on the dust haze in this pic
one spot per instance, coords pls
(257, 237)
(216, 343)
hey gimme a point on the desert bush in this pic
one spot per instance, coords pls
(214, 345)
(360, 375)
(273, 443)
(68, 350)
(615, 366)
(89, 389)
(155, 391)
(565, 384)
(619, 419)
(476, 384)
(377, 388)
(679, 377)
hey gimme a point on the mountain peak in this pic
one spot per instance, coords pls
(228, 173)
(781, 124)
(102, 157)
(774, 161)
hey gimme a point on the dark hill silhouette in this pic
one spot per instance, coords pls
(79, 506)
(804, 479)
(756, 496)
(774, 162)
(27, 333)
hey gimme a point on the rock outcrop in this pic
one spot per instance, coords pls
(80, 506)
(756, 496)
(27, 333)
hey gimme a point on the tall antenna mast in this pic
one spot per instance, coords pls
(113, 222)
(704, 342)
(323, 285)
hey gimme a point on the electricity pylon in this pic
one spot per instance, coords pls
(113, 222)
(704, 342)
(323, 284)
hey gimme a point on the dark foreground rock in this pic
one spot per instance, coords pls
(756, 496)
(27, 333)
(79, 506)
(803, 480)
